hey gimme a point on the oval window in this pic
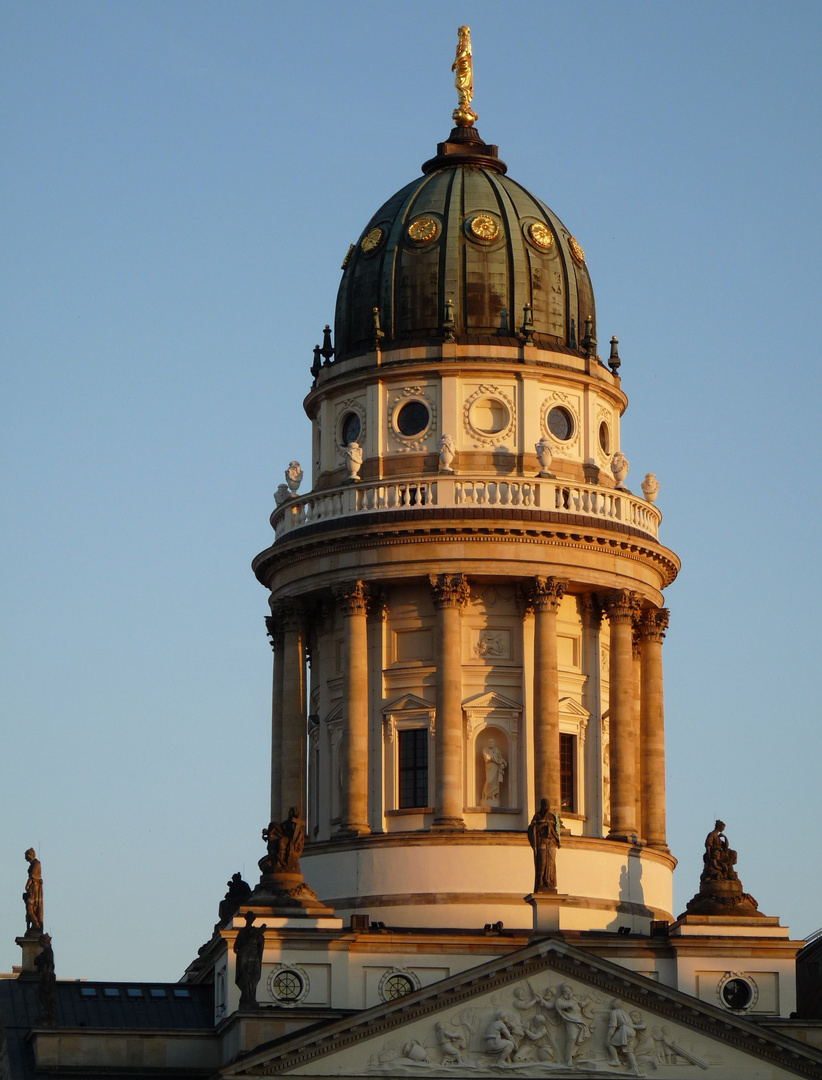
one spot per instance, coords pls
(350, 428)
(560, 423)
(412, 418)
(604, 438)
(489, 416)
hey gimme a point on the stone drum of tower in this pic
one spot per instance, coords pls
(476, 590)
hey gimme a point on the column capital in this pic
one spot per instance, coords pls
(289, 613)
(547, 593)
(449, 590)
(652, 624)
(352, 597)
(274, 632)
(377, 603)
(590, 611)
(622, 606)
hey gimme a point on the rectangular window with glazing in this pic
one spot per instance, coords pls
(413, 767)
(567, 772)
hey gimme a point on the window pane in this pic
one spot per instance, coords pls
(566, 772)
(413, 767)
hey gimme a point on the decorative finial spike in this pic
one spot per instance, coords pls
(463, 66)
(327, 351)
(448, 323)
(527, 323)
(614, 360)
(315, 367)
(378, 331)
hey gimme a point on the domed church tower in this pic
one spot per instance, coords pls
(476, 591)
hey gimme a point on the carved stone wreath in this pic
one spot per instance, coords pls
(349, 405)
(556, 397)
(482, 438)
(411, 443)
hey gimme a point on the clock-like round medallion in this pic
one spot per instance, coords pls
(576, 250)
(422, 230)
(541, 235)
(484, 226)
(371, 240)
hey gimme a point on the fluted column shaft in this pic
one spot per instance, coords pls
(622, 607)
(547, 596)
(450, 594)
(276, 636)
(652, 627)
(354, 816)
(292, 756)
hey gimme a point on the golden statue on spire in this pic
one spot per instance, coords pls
(464, 115)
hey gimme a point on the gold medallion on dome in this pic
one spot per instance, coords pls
(422, 230)
(484, 227)
(540, 235)
(371, 240)
(576, 250)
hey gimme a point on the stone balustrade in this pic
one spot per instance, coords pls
(589, 501)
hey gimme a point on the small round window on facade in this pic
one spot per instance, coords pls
(604, 438)
(397, 986)
(350, 428)
(737, 994)
(560, 423)
(286, 986)
(412, 418)
(490, 416)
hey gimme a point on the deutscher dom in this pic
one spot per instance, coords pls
(466, 869)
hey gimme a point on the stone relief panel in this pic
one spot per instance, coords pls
(534, 1029)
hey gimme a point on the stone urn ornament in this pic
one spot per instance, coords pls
(650, 487)
(545, 455)
(281, 494)
(353, 461)
(446, 451)
(619, 467)
(293, 476)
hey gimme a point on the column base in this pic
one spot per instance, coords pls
(352, 831)
(448, 824)
(625, 838)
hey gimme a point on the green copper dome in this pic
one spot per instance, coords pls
(464, 253)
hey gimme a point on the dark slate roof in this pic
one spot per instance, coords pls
(129, 1006)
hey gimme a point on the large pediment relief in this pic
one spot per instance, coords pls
(549, 1010)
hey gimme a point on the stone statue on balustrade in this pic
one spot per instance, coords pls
(33, 896)
(720, 890)
(248, 948)
(495, 766)
(544, 838)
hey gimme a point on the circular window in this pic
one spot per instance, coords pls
(490, 415)
(350, 428)
(604, 438)
(287, 986)
(560, 423)
(412, 418)
(397, 986)
(737, 993)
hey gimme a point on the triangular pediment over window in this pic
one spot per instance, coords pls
(492, 700)
(407, 703)
(572, 709)
(526, 1015)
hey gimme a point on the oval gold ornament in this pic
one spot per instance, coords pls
(422, 230)
(576, 250)
(484, 226)
(371, 240)
(541, 236)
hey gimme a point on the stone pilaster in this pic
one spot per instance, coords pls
(353, 598)
(292, 745)
(450, 595)
(652, 627)
(622, 607)
(590, 616)
(636, 657)
(546, 595)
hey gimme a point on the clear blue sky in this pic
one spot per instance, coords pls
(180, 184)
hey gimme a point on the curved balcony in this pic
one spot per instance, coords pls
(601, 506)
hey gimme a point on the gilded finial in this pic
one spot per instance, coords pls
(463, 66)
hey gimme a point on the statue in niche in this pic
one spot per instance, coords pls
(33, 895)
(622, 1036)
(353, 461)
(285, 842)
(47, 983)
(451, 1044)
(495, 766)
(238, 892)
(544, 838)
(248, 948)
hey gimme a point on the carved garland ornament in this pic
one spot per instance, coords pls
(483, 438)
(411, 443)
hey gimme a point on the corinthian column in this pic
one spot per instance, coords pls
(547, 595)
(450, 595)
(292, 752)
(353, 597)
(652, 627)
(622, 607)
(276, 636)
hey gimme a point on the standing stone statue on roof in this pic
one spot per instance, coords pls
(33, 896)
(543, 836)
(248, 948)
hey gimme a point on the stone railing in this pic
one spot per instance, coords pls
(583, 500)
